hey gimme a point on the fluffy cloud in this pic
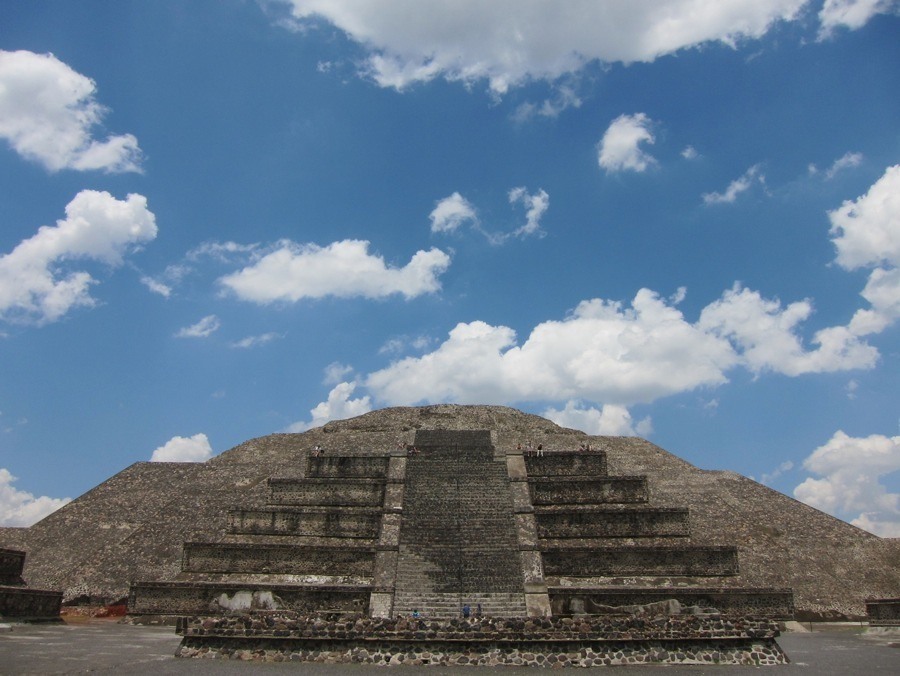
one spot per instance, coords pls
(338, 406)
(609, 420)
(344, 269)
(34, 287)
(620, 150)
(851, 468)
(47, 114)
(735, 188)
(852, 14)
(184, 449)
(452, 212)
(510, 42)
(22, 509)
(256, 341)
(846, 161)
(536, 206)
(607, 352)
(765, 336)
(866, 233)
(202, 329)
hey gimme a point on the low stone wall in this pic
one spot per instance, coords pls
(566, 464)
(330, 492)
(12, 562)
(563, 491)
(612, 523)
(346, 466)
(21, 603)
(197, 598)
(773, 604)
(660, 561)
(311, 522)
(217, 557)
(883, 612)
(589, 641)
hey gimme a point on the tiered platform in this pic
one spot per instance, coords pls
(552, 555)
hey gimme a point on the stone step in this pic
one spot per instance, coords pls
(322, 522)
(330, 492)
(346, 466)
(567, 464)
(613, 523)
(580, 491)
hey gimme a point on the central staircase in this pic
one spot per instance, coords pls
(458, 543)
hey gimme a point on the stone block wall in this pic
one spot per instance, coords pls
(612, 522)
(312, 522)
(204, 557)
(12, 562)
(565, 491)
(883, 612)
(326, 492)
(566, 464)
(641, 561)
(345, 467)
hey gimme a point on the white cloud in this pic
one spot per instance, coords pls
(786, 466)
(851, 469)
(34, 285)
(735, 188)
(690, 153)
(536, 206)
(601, 352)
(620, 150)
(866, 231)
(452, 212)
(765, 334)
(846, 161)
(338, 406)
(48, 112)
(852, 14)
(511, 42)
(202, 329)
(22, 509)
(344, 269)
(157, 286)
(609, 420)
(184, 449)
(564, 97)
(256, 341)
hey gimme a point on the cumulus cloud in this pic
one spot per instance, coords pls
(35, 284)
(690, 153)
(608, 420)
(48, 113)
(735, 188)
(338, 406)
(184, 449)
(765, 335)
(852, 14)
(850, 469)
(536, 206)
(343, 269)
(452, 212)
(620, 148)
(511, 42)
(866, 233)
(20, 508)
(202, 329)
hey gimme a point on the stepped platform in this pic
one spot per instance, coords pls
(590, 463)
(332, 491)
(590, 521)
(315, 521)
(588, 491)
(226, 557)
(883, 612)
(347, 467)
(592, 561)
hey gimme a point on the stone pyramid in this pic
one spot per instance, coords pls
(471, 517)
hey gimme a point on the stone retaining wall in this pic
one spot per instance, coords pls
(12, 561)
(589, 641)
(193, 598)
(306, 522)
(566, 464)
(21, 603)
(883, 612)
(613, 523)
(617, 561)
(200, 557)
(562, 491)
(330, 492)
(345, 466)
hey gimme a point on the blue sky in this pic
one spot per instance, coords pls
(678, 219)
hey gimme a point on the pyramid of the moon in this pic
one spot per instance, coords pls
(430, 508)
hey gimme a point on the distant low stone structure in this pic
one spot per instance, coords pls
(883, 612)
(18, 601)
(369, 528)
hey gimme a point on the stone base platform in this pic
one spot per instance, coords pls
(883, 612)
(581, 642)
(30, 605)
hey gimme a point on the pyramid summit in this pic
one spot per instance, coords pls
(427, 509)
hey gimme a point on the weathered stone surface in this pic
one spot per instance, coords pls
(132, 526)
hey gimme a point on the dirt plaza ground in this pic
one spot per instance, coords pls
(107, 647)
